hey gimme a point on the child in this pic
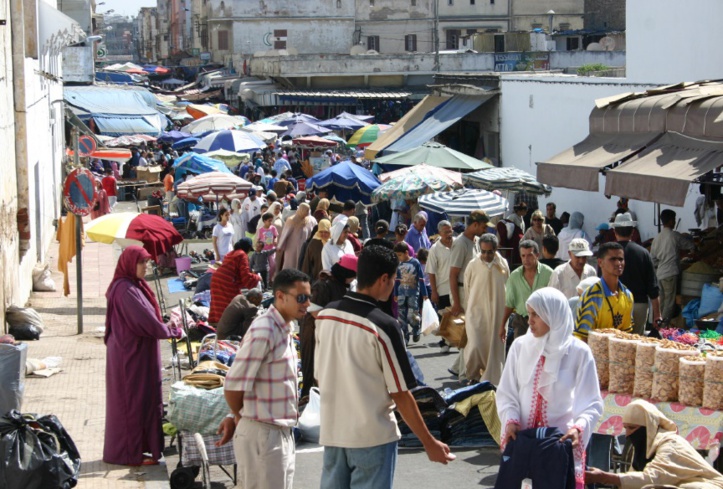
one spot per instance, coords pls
(409, 288)
(422, 255)
(269, 236)
(259, 262)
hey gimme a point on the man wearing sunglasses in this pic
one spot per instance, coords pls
(363, 372)
(261, 390)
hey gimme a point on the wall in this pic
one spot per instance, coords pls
(78, 64)
(524, 13)
(669, 41)
(392, 34)
(605, 15)
(307, 36)
(541, 116)
(567, 59)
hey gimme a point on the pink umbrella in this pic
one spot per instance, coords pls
(214, 186)
(451, 177)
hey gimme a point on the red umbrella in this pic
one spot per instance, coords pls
(155, 234)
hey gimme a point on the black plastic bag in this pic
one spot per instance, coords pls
(25, 332)
(36, 453)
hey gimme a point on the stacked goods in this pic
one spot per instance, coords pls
(713, 382)
(644, 365)
(599, 340)
(621, 355)
(665, 376)
(692, 372)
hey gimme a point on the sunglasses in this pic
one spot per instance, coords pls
(487, 252)
(301, 298)
(538, 219)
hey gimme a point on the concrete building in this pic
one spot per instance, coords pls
(150, 46)
(551, 15)
(604, 15)
(461, 18)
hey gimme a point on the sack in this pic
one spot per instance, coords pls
(430, 320)
(710, 300)
(42, 281)
(453, 330)
(196, 410)
(37, 453)
(310, 420)
(21, 316)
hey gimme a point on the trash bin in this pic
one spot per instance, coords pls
(12, 376)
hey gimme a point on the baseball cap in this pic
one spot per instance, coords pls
(579, 247)
(603, 226)
(349, 262)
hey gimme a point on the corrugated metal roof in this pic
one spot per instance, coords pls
(362, 94)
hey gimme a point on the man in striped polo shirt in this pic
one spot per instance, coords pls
(363, 371)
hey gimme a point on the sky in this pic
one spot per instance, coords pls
(124, 7)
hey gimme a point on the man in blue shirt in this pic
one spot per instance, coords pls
(417, 235)
(282, 165)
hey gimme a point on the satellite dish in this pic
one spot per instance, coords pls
(372, 51)
(594, 46)
(607, 43)
(357, 50)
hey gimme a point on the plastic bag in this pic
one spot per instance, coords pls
(42, 281)
(196, 410)
(20, 317)
(12, 378)
(430, 320)
(25, 332)
(310, 420)
(37, 453)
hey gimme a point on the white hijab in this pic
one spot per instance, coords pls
(553, 308)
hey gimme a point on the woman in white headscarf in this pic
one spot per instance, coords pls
(549, 379)
(236, 220)
(572, 231)
(337, 246)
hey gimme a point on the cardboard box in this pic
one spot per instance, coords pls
(150, 174)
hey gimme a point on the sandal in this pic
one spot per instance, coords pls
(149, 461)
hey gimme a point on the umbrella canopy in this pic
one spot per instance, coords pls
(173, 136)
(508, 178)
(290, 118)
(343, 123)
(214, 122)
(344, 181)
(185, 143)
(197, 164)
(305, 129)
(134, 140)
(361, 117)
(459, 203)
(333, 137)
(434, 154)
(451, 177)
(158, 70)
(229, 157)
(237, 141)
(315, 142)
(152, 232)
(264, 127)
(214, 186)
(410, 186)
(198, 111)
(366, 135)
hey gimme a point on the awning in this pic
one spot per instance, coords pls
(56, 30)
(406, 123)
(578, 167)
(663, 171)
(117, 126)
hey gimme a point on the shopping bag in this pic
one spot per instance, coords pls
(430, 320)
(310, 420)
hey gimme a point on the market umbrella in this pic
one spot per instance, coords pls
(229, 157)
(410, 186)
(508, 178)
(314, 142)
(214, 122)
(264, 127)
(433, 154)
(291, 118)
(361, 117)
(305, 129)
(451, 177)
(198, 111)
(343, 123)
(152, 232)
(230, 140)
(214, 186)
(366, 135)
(173, 136)
(185, 143)
(345, 180)
(333, 137)
(461, 202)
(197, 164)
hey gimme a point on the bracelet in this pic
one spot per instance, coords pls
(233, 416)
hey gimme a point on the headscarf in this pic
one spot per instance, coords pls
(323, 205)
(324, 225)
(276, 205)
(552, 307)
(236, 204)
(126, 270)
(353, 222)
(337, 229)
(302, 214)
(576, 220)
(644, 414)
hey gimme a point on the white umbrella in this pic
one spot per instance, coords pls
(237, 141)
(214, 186)
(213, 122)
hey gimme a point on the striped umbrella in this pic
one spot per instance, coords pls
(508, 178)
(214, 122)
(230, 140)
(152, 232)
(366, 135)
(462, 202)
(214, 186)
(410, 186)
(452, 177)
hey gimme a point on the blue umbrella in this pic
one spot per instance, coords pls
(343, 123)
(295, 119)
(333, 137)
(345, 181)
(197, 165)
(173, 136)
(230, 140)
(185, 143)
(305, 129)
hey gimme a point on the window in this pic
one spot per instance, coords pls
(410, 42)
(414, 3)
(338, 3)
(500, 43)
(573, 43)
(492, 2)
(450, 2)
(453, 38)
(371, 3)
(373, 43)
(223, 40)
(280, 39)
(471, 2)
(536, 26)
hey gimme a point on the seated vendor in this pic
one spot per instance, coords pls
(661, 458)
(239, 314)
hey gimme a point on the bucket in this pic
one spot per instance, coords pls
(183, 263)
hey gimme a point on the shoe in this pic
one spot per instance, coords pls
(415, 338)
(444, 348)
(441, 343)
(452, 372)
(149, 461)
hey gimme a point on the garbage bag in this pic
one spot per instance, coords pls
(42, 281)
(25, 332)
(12, 376)
(21, 319)
(37, 453)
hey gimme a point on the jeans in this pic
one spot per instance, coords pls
(409, 314)
(359, 468)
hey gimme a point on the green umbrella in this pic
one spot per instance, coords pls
(411, 186)
(434, 154)
(366, 135)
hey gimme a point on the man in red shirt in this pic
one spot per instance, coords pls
(110, 185)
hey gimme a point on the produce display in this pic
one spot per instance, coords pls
(713, 382)
(644, 365)
(621, 354)
(665, 376)
(692, 373)
(599, 340)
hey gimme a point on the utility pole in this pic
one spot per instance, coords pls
(435, 35)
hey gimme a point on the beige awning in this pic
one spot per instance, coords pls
(57, 30)
(578, 167)
(663, 171)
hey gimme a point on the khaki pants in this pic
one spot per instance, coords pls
(265, 455)
(640, 317)
(668, 291)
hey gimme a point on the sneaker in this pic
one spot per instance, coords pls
(444, 348)
(415, 338)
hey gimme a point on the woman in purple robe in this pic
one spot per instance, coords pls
(134, 402)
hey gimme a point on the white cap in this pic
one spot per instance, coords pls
(579, 247)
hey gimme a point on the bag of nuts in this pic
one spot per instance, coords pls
(621, 354)
(713, 382)
(690, 386)
(644, 363)
(665, 374)
(598, 341)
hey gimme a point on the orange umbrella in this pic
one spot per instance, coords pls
(197, 111)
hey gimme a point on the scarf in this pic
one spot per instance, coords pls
(324, 225)
(653, 423)
(553, 308)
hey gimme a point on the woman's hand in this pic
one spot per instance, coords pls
(572, 434)
(510, 433)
